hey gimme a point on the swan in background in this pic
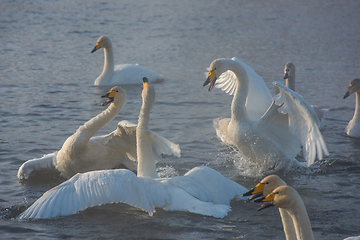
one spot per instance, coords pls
(264, 188)
(123, 73)
(288, 198)
(82, 152)
(202, 190)
(353, 127)
(284, 125)
(289, 75)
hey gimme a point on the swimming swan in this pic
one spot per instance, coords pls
(202, 190)
(266, 131)
(123, 73)
(289, 75)
(82, 152)
(353, 127)
(265, 187)
(287, 198)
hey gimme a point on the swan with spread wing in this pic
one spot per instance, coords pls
(83, 152)
(267, 131)
(202, 190)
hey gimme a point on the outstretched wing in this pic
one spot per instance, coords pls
(303, 122)
(259, 97)
(90, 189)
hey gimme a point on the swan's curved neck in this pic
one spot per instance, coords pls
(145, 156)
(356, 116)
(98, 122)
(108, 69)
(301, 220)
(290, 81)
(288, 225)
(238, 109)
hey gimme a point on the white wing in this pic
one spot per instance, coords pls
(303, 122)
(45, 162)
(259, 97)
(88, 190)
(208, 185)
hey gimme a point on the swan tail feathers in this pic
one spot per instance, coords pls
(46, 162)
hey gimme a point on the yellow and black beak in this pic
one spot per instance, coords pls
(269, 198)
(210, 79)
(145, 82)
(256, 192)
(110, 95)
(97, 47)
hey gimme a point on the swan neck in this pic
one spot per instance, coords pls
(290, 82)
(301, 221)
(98, 122)
(357, 108)
(145, 155)
(238, 109)
(288, 225)
(108, 70)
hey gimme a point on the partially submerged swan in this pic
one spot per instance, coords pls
(202, 190)
(265, 131)
(264, 188)
(82, 152)
(353, 127)
(123, 73)
(289, 75)
(287, 198)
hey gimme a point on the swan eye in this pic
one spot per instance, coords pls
(267, 182)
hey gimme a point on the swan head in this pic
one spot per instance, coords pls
(217, 67)
(148, 93)
(115, 94)
(264, 187)
(354, 86)
(280, 197)
(102, 42)
(289, 70)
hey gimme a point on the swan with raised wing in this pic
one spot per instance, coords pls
(353, 127)
(202, 190)
(264, 130)
(123, 73)
(82, 152)
(289, 76)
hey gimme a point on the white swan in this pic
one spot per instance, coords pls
(202, 190)
(265, 187)
(287, 198)
(289, 75)
(284, 125)
(353, 127)
(82, 152)
(123, 73)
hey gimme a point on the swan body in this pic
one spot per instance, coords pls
(287, 198)
(289, 75)
(82, 152)
(353, 127)
(286, 124)
(265, 187)
(123, 73)
(202, 190)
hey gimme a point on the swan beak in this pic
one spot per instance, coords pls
(346, 94)
(256, 192)
(268, 198)
(210, 79)
(286, 75)
(97, 47)
(145, 83)
(110, 95)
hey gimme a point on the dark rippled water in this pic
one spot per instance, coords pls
(47, 91)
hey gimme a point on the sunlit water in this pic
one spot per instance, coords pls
(47, 92)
